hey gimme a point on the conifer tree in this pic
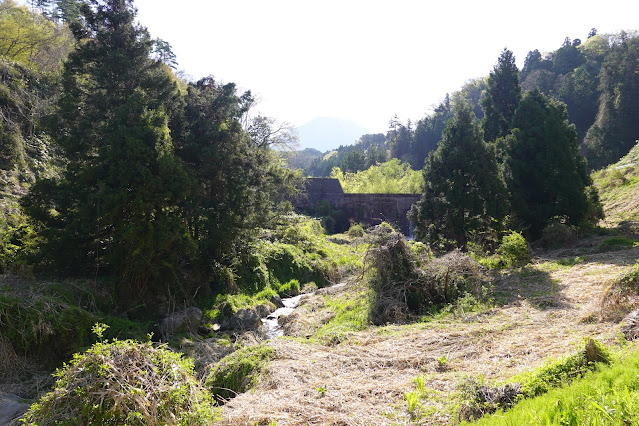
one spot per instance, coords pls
(116, 208)
(503, 94)
(464, 197)
(547, 175)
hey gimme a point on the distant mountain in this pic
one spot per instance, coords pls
(326, 133)
(301, 159)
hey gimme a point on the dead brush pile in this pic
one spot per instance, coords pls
(406, 285)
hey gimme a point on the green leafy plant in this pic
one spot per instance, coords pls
(322, 390)
(413, 400)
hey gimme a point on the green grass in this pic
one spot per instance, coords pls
(607, 396)
(238, 371)
(351, 315)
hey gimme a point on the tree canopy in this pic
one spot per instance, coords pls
(546, 174)
(464, 197)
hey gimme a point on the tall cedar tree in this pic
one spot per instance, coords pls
(116, 208)
(547, 175)
(464, 197)
(502, 97)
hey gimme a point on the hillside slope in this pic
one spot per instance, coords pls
(619, 191)
(545, 310)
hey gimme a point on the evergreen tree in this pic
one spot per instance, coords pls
(464, 197)
(616, 127)
(547, 175)
(428, 133)
(503, 94)
(116, 208)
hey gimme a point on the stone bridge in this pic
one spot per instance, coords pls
(368, 209)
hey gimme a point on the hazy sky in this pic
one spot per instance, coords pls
(365, 60)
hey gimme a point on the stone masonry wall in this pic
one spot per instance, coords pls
(369, 209)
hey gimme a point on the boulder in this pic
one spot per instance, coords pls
(277, 302)
(187, 320)
(244, 319)
(11, 409)
(264, 309)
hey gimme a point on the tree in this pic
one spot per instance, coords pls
(568, 57)
(237, 181)
(428, 133)
(503, 94)
(464, 197)
(116, 209)
(163, 52)
(27, 38)
(546, 174)
(616, 127)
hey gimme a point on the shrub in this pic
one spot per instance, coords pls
(557, 233)
(238, 371)
(356, 230)
(514, 249)
(42, 325)
(124, 382)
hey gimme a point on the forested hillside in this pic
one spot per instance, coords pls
(136, 174)
(595, 78)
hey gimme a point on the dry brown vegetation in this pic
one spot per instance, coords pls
(545, 310)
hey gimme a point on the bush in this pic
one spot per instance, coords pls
(44, 326)
(238, 371)
(557, 234)
(356, 230)
(514, 249)
(125, 382)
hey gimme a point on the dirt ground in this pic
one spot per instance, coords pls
(544, 311)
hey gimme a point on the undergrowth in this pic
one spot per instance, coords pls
(478, 399)
(607, 395)
(238, 371)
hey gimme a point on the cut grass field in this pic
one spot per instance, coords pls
(542, 312)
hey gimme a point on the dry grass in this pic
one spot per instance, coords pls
(547, 314)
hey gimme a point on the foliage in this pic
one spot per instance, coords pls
(501, 98)
(392, 177)
(464, 196)
(125, 382)
(27, 38)
(546, 173)
(615, 129)
(44, 326)
(514, 249)
(238, 371)
(114, 208)
(356, 230)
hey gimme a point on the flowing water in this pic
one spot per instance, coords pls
(271, 323)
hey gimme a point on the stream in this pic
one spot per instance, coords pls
(271, 323)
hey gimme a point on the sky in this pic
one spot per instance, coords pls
(365, 61)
